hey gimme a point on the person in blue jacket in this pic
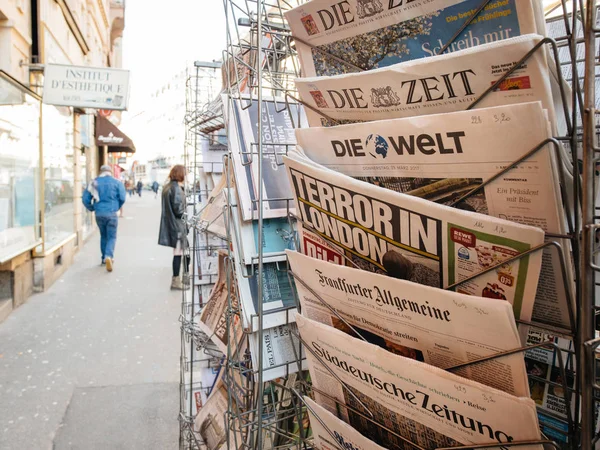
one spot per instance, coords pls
(105, 196)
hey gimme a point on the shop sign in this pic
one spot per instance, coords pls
(86, 87)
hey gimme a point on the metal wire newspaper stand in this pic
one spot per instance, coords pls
(230, 143)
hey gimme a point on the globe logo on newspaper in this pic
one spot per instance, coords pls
(377, 145)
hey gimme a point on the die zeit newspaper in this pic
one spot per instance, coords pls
(410, 238)
(439, 84)
(376, 33)
(426, 405)
(438, 327)
(344, 436)
(440, 157)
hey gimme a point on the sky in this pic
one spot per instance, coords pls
(159, 41)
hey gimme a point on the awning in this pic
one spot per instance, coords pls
(109, 134)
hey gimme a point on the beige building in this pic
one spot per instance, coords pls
(47, 153)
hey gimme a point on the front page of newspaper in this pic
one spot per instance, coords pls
(440, 157)
(344, 436)
(438, 327)
(212, 218)
(373, 34)
(410, 238)
(440, 84)
(424, 404)
(210, 425)
(217, 319)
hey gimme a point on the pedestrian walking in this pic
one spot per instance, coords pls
(173, 231)
(105, 196)
(155, 188)
(139, 188)
(130, 188)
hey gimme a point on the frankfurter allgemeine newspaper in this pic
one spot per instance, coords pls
(334, 433)
(406, 237)
(438, 327)
(428, 406)
(440, 84)
(442, 157)
(372, 34)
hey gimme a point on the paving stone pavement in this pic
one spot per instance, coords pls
(93, 363)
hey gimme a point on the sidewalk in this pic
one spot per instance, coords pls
(93, 363)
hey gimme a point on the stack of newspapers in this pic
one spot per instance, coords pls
(425, 188)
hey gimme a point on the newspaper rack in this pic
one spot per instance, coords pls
(263, 61)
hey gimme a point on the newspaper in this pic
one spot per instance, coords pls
(439, 84)
(440, 158)
(376, 33)
(217, 319)
(281, 352)
(424, 404)
(278, 120)
(332, 433)
(410, 238)
(211, 217)
(199, 385)
(210, 424)
(441, 328)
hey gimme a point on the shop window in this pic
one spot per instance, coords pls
(58, 151)
(19, 169)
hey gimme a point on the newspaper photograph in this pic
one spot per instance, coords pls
(440, 84)
(373, 34)
(438, 327)
(278, 137)
(426, 405)
(440, 158)
(410, 238)
(344, 436)
(217, 319)
(210, 425)
(281, 352)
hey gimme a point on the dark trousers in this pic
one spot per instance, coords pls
(108, 234)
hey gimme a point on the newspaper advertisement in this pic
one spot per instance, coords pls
(277, 236)
(277, 130)
(330, 433)
(440, 84)
(440, 158)
(281, 352)
(217, 319)
(426, 405)
(414, 239)
(374, 34)
(438, 327)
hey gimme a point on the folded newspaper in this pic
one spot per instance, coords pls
(212, 217)
(374, 33)
(330, 433)
(440, 157)
(410, 238)
(210, 425)
(444, 83)
(421, 403)
(218, 318)
(441, 328)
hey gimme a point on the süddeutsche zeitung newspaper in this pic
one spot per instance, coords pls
(438, 327)
(369, 35)
(410, 238)
(441, 157)
(428, 406)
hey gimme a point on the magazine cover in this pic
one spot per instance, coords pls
(406, 237)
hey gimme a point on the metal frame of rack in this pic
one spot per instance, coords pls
(260, 61)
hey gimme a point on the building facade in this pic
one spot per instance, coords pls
(47, 153)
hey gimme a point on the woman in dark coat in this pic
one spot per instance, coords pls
(172, 227)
